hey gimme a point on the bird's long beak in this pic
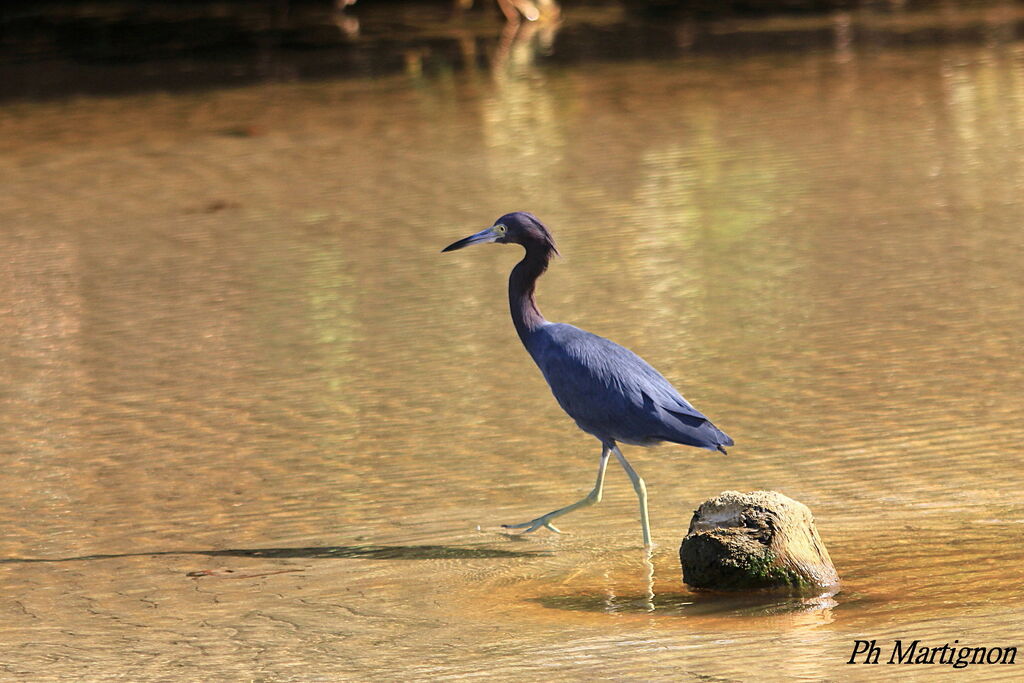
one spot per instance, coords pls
(482, 237)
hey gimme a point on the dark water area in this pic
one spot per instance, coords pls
(255, 426)
(60, 49)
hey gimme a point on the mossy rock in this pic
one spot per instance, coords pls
(755, 541)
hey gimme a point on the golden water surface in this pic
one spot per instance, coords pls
(253, 426)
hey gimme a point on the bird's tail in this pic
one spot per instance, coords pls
(697, 430)
(706, 436)
(723, 439)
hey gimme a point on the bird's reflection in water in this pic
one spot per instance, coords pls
(649, 579)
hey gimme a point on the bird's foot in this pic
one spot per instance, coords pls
(534, 524)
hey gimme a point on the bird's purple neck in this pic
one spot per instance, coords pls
(521, 286)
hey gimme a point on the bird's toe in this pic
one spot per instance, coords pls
(533, 525)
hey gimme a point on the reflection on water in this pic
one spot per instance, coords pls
(696, 605)
(226, 327)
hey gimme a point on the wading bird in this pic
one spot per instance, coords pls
(607, 389)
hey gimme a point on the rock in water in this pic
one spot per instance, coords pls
(745, 541)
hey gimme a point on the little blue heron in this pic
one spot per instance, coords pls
(607, 389)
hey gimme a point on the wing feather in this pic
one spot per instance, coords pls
(613, 393)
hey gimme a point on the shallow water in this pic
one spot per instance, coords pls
(255, 427)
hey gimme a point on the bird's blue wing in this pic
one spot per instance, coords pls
(614, 394)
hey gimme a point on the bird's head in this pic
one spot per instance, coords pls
(518, 227)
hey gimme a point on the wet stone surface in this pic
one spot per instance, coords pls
(756, 541)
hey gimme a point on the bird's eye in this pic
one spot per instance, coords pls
(500, 229)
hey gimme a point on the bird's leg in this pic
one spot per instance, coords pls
(593, 497)
(641, 492)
